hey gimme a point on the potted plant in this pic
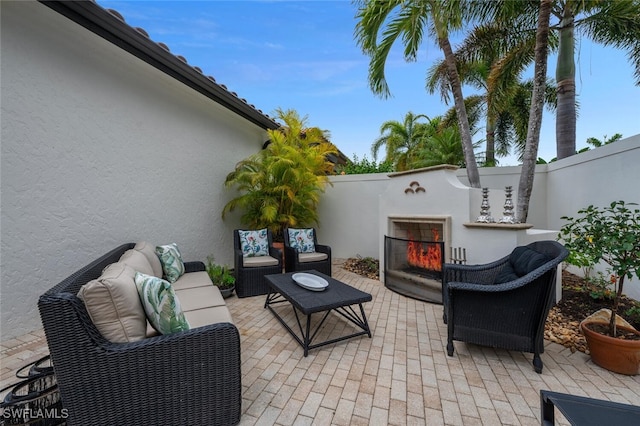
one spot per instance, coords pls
(612, 235)
(221, 276)
(281, 185)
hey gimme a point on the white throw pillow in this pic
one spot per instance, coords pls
(254, 243)
(171, 261)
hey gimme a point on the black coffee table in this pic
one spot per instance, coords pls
(337, 297)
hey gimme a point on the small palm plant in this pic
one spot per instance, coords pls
(612, 235)
(281, 185)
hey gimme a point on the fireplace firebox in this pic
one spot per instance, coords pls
(413, 267)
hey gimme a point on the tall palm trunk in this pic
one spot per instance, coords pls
(463, 118)
(566, 90)
(490, 154)
(535, 112)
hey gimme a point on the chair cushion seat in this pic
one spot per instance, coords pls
(259, 261)
(312, 257)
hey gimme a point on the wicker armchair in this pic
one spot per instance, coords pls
(250, 280)
(294, 261)
(505, 303)
(191, 377)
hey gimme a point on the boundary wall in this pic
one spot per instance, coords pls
(349, 210)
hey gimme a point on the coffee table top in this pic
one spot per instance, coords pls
(337, 294)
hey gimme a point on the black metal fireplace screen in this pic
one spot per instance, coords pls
(414, 268)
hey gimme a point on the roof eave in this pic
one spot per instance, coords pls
(108, 26)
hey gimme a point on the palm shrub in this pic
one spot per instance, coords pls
(281, 185)
(610, 234)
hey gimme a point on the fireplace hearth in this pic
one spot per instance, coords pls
(413, 267)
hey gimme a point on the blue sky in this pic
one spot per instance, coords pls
(302, 55)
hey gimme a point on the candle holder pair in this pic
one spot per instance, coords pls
(507, 215)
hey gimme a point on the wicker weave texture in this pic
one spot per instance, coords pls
(291, 259)
(510, 315)
(191, 377)
(251, 281)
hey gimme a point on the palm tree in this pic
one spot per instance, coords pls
(408, 20)
(614, 23)
(530, 154)
(401, 140)
(444, 147)
(281, 185)
(482, 57)
(597, 143)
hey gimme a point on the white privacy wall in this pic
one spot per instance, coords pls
(349, 212)
(99, 149)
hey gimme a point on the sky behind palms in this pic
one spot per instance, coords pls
(302, 55)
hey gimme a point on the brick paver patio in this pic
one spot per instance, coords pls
(400, 376)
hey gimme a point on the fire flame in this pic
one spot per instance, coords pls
(431, 258)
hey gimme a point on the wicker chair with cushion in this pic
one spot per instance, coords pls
(254, 257)
(188, 377)
(503, 304)
(303, 253)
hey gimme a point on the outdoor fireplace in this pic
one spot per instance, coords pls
(413, 264)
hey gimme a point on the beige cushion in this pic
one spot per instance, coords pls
(114, 306)
(199, 297)
(311, 257)
(149, 251)
(259, 261)
(192, 279)
(206, 316)
(203, 305)
(138, 262)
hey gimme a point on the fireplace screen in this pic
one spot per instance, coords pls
(414, 268)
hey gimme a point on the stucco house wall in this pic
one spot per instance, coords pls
(99, 148)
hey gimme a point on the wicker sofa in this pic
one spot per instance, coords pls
(189, 377)
(505, 303)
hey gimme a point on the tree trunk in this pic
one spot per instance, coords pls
(535, 112)
(490, 154)
(463, 119)
(566, 89)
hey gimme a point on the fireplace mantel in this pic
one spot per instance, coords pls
(495, 225)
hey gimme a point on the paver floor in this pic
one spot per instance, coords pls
(400, 376)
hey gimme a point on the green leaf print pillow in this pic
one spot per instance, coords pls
(171, 260)
(160, 304)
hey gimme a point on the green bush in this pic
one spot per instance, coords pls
(364, 166)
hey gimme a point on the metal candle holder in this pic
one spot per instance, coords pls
(485, 214)
(507, 215)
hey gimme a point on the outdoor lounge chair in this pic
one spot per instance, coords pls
(250, 270)
(315, 256)
(503, 304)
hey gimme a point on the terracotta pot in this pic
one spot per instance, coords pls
(617, 355)
(280, 245)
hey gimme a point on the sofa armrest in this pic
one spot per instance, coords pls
(148, 382)
(194, 266)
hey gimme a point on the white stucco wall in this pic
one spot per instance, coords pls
(350, 214)
(99, 149)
